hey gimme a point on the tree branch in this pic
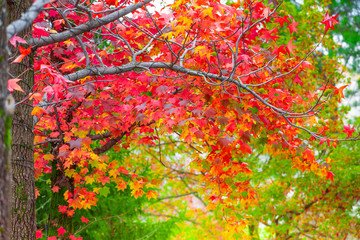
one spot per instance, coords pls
(86, 27)
(26, 20)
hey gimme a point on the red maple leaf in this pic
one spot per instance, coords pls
(330, 176)
(38, 234)
(72, 237)
(85, 220)
(298, 80)
(63, 209)
(292, 26)
(329, 21)
(55, 189)
(322, 141)
(278, 50)
(322, 130)
(61, 231)
(290, 48)
(15, 39)
(282, 20)
(348, 130)
(267, 35)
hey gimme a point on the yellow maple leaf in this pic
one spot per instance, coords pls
(113, 173)
(89, 180)
(48, 157)
(121, 185)
(168, 35)
(69, 172)
(136, 185)
(208, 12)
(80, 134)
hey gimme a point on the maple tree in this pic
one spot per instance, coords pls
(191, 91)
(291, 203)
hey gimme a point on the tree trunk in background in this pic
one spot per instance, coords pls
(5, 131)
(23, 224)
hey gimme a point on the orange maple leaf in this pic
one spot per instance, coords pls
(339, 91)
(121, 186)
(137, 193)
(61, 231)
(70, 213)
(37, 97)
(24, 52)
(37, 193)
(151, 194)
(38, 111)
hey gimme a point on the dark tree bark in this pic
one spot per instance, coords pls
(23, 225)
(5, 130)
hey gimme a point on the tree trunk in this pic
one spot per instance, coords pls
(23, 224)
(254, 230)
(5, 130)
